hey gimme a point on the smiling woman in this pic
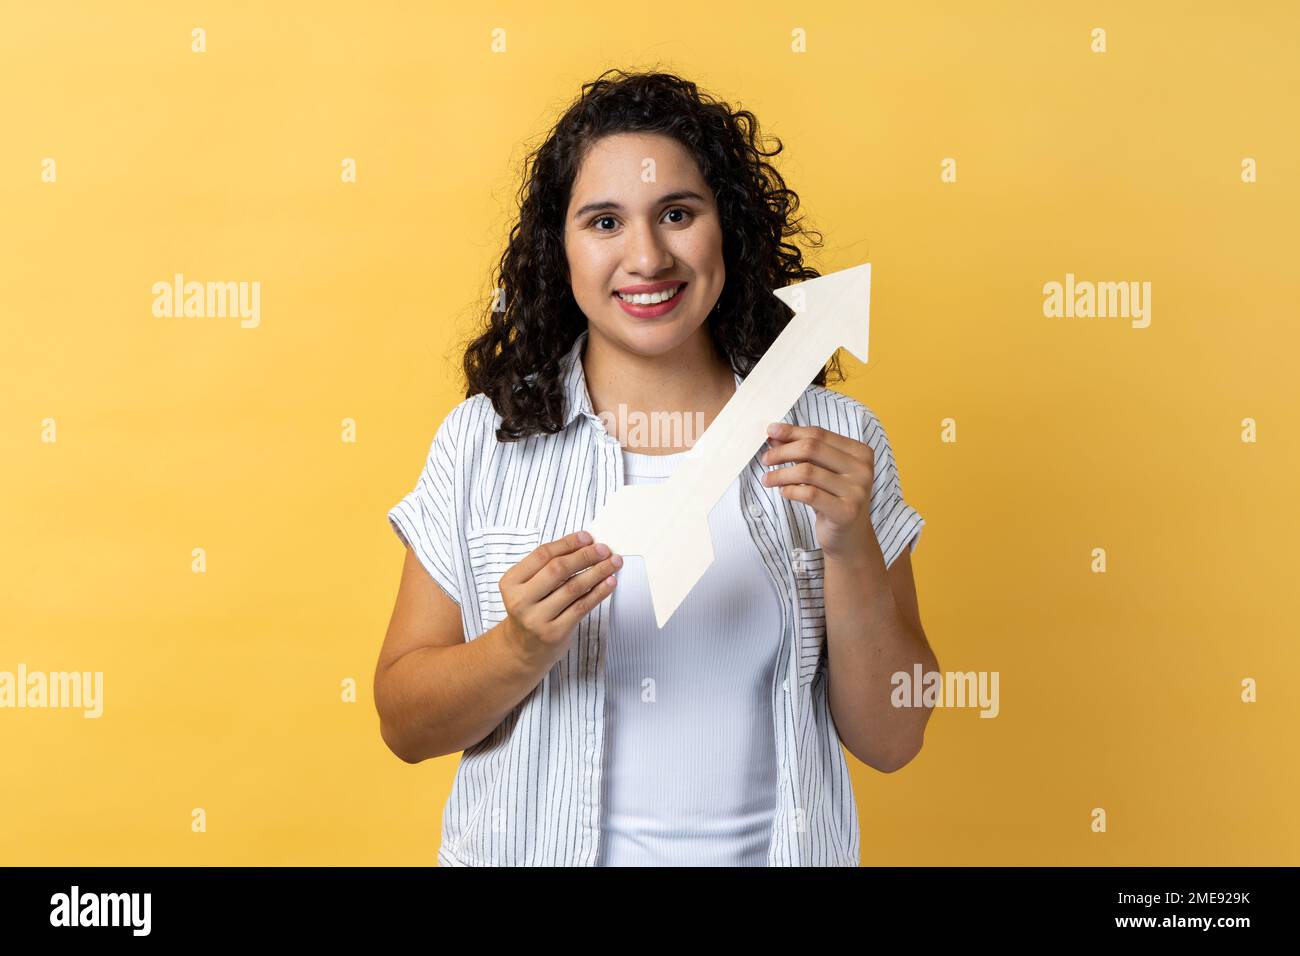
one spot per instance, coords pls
(645, 182)
(638, 284)
(652, 254)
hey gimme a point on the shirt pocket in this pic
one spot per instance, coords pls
(809, 580)
(494, 550)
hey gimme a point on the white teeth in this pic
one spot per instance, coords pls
(649, 299)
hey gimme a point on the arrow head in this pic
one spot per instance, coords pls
(840, 303)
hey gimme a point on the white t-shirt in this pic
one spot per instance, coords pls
(690, 776)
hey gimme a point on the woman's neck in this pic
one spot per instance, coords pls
(657, 404)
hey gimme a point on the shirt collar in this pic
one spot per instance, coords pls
(577, 400)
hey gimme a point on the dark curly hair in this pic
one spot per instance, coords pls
(536, 319)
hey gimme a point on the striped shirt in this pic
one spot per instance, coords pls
(529, 794)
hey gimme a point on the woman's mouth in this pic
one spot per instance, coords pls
(650, 306)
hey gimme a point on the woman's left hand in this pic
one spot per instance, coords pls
(833, 476)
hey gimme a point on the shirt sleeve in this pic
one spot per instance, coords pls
(897, 524)
(425, 520)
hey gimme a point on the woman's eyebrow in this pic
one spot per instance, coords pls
(605, 204)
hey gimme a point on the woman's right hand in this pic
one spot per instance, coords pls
(545, 599)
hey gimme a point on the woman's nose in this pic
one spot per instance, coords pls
(647, 254)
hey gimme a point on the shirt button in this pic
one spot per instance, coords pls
(785, 685)
(756, 509)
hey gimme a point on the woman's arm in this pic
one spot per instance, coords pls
(439, 694)
(873, 631)
(435, 692)
(873, 623)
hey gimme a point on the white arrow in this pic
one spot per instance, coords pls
(667, 524)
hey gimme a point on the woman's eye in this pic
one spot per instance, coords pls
(599, 219)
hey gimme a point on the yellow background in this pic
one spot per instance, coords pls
(222, 690)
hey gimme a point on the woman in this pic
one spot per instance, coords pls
(636, 283)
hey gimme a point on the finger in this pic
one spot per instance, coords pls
(540, 556)
(787, 433)
(580, 608)
(559, 569)
(575, 588)
(824, 503)
(816, 451)
(806, 473)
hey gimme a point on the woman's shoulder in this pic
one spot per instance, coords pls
(471, 429)
(461, 429)
(474, 415)
(835, 411)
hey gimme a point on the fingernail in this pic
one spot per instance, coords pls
(775, 428)
(618, 561)
(602, 550)
(584, 537)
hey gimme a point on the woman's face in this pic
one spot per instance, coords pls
(640, 214)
